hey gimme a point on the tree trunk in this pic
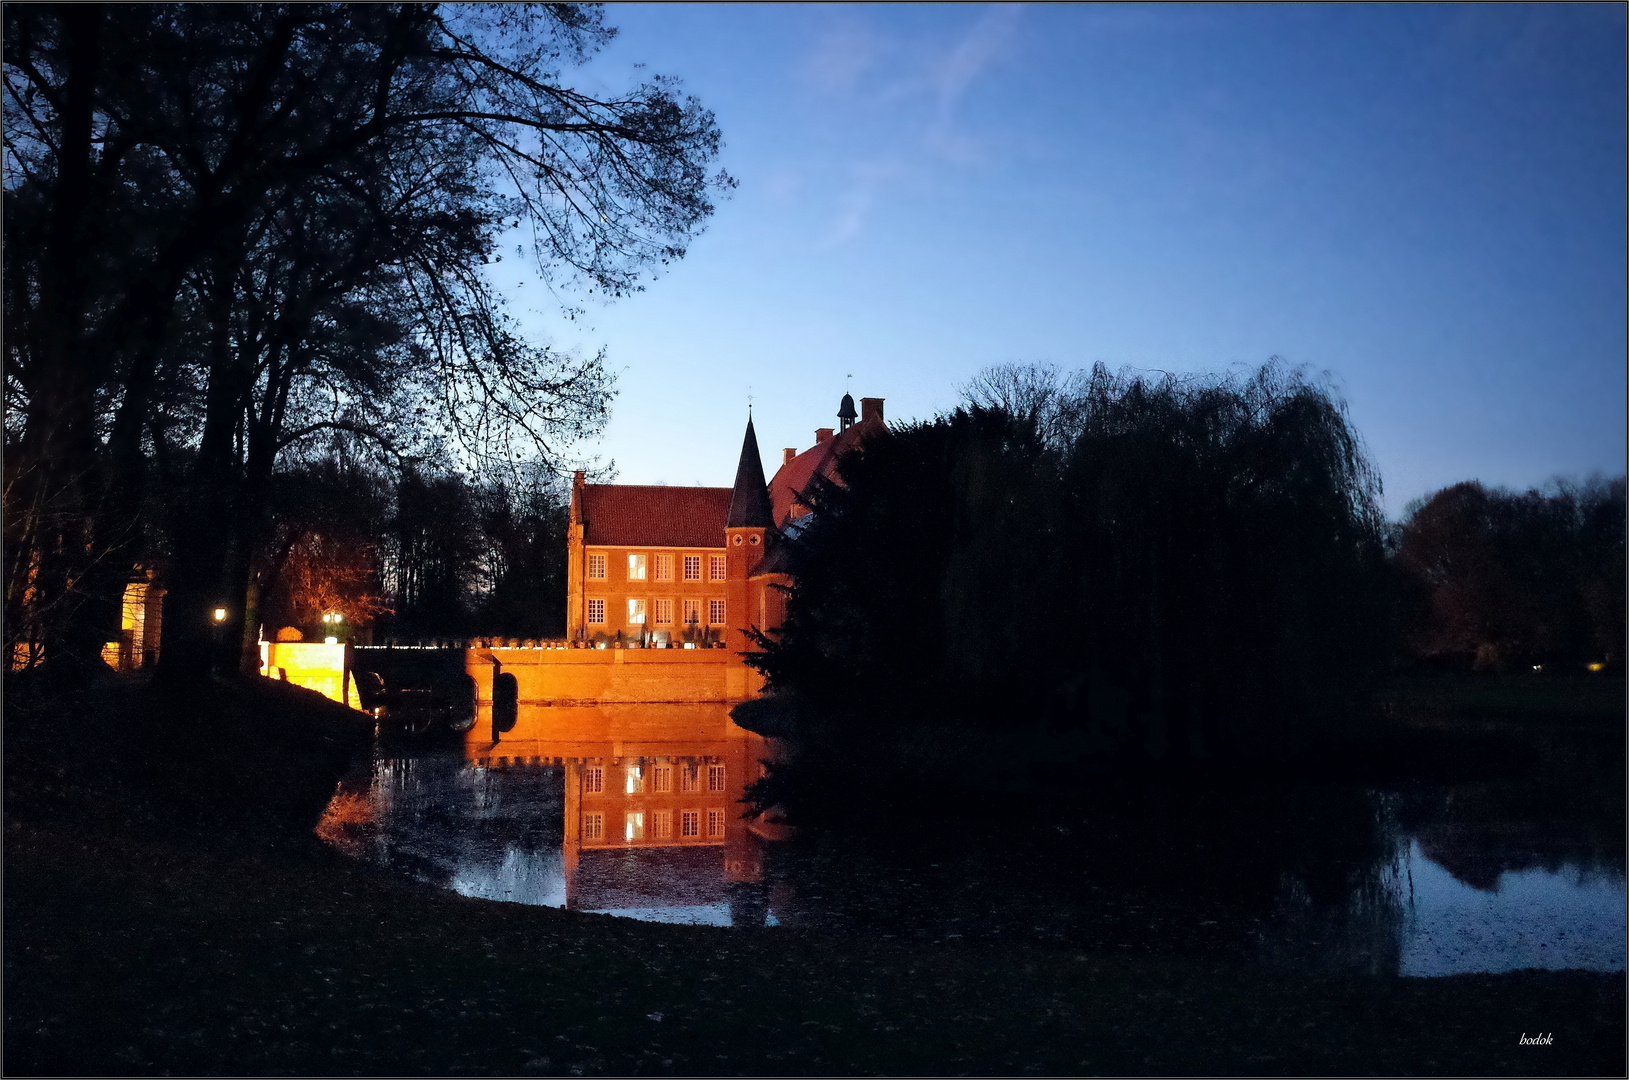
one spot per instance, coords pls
(204, 530)
(59, 479)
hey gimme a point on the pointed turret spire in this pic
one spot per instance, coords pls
(749, 502)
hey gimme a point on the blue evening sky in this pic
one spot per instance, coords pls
(1426, 202)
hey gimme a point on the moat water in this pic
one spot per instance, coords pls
(635, 812)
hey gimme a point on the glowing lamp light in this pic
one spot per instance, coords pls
(330, 640)
(220, 614)
(1597, 667)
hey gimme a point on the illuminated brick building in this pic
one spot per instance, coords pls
(664, 567)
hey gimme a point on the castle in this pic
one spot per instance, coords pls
(665, 589)
(672, 567)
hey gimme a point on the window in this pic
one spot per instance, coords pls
(689, 780)
(596, 612)
(664, 613)
(692, 612)
(715, 824)
(636, 779)
(690, 824)
(692, 567)
(593, 779)
(636, 567)
(662, 778)
(715, 778)
(664, 568)
(661, 824)
(596, 566)
(593, 826)
(634, 825)
(636, 613)
(715, 612)
(715, 568)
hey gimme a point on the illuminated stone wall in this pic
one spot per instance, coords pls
(556, 676)
(140, 627)
(313, 665)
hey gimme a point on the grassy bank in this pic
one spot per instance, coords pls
(146, 931)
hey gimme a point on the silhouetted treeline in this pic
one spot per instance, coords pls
(464, 558)
(1174, 568)
(415, 554)
(1497, 579)
(323, 552)
(235, 230)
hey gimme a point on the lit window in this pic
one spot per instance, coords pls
(596, 566)
(636, 779)
(636, 613)
(715, 612)
(664, 568)
(689, 779)
(692, 612)
(593, 779)
(715, 824)
(634, 826)
(662, 778)
(690, 823)
(593, 826)
(596, 612)
(661, 824)
(715, 568)
(692, 567)
(664, 613)
(636, 567)
(715, 778)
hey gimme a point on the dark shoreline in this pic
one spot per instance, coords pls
(145, 935)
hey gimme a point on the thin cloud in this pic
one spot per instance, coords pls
(942, 80)
(868, 181)
(841, 58)
(956, 73)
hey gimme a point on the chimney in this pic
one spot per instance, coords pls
(788, 454)
(822, 434)
(870, 409)
(577, 485)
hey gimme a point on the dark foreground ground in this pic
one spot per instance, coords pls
(167, 912)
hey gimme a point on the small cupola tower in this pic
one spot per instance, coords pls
(846, 414)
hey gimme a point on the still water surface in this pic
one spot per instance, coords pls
(635, 811)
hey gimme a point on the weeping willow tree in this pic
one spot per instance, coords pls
(1171, 568)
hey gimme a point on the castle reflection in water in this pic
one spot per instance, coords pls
(665, 779)
(637, 810)
(628, 809)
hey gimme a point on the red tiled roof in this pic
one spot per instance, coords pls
(791, 478)
(637, 515)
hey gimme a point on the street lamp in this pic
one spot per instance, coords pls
(219, 617)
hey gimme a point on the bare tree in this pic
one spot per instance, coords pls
(176, 178)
